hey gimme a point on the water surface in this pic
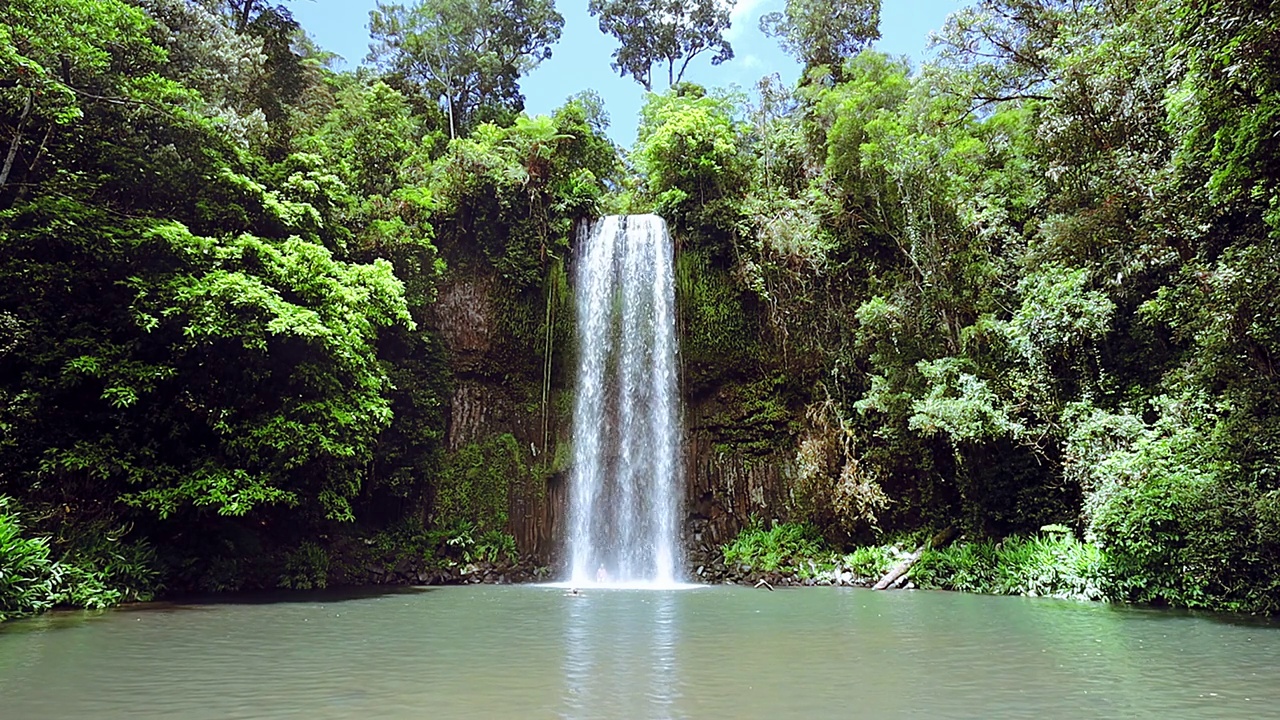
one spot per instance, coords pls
(722, 652)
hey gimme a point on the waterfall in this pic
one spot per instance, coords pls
(623, 491)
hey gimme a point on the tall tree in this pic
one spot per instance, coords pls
(820, 33)
(238, 13)
(465, 54)
(658, 32)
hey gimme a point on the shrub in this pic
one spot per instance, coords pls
(870, 561)
(306, 568)
(96, 573)
(495, 546)
(28, 576)
(1052, 564)
(1179, 522)
(462, 539)
(780, 546)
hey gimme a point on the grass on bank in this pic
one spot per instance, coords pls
(1050, 564)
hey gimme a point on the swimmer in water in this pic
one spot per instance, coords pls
(574, 592)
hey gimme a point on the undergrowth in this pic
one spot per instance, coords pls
(781, 546)
(1051, 564)
(36, 576)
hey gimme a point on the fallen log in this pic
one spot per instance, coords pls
(897, 574)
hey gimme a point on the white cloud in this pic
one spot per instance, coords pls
(743, 16)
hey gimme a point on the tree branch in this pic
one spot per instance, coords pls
(17, 138)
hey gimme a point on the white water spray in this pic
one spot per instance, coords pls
(623, 493)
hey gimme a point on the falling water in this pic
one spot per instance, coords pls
(623, 492)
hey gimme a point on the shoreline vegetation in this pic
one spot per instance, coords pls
(1049, 564)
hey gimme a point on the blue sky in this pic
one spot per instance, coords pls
(581, 59)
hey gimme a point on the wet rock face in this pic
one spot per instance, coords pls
(480, 409)
(728, 482)
(465, 321)
(737, 449)
(488, 401)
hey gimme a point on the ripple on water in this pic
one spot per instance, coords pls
(532, 651)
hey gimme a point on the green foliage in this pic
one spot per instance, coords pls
(653, 32)
(1059, 314)
(958, 403)
(820, 34)
(779, 547)
(370, 133)
(1180, 524)
(719, 321)
(292, 326)
(206, 325)
(465, 54)
(1053, 564)
(511, 195)
(835, 489)
(870, 562)
(756, 419)
(475, 487)
(690, 155)
(495, 546)
(29, 578)
(105, 572)
(43, 43)
(463, 540)
(306, 568)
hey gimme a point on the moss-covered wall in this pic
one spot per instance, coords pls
(508, 436)
(508, 419)
(742, 407)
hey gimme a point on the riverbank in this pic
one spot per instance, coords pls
(1051, 564)
(47, 565)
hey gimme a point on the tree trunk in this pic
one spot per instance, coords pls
(13, 146)
(897, 575)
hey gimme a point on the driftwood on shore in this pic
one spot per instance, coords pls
(897, 574)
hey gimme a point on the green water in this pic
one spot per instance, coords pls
(535, 652)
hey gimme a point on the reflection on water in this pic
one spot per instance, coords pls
(715, 652)
(620, 653)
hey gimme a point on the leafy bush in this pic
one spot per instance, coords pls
(1180, 526)
(870, 561)
(775, 548)
(306, 568)
(464, 540)
(690, 154)
(966, 567)
(476, 484)
(28, 576)
(93, 575)
(112, 570)
(1053, 564)
(495, 546)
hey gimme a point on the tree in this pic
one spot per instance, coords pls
(653, 32)
(690, 153)
(467, 54)
(205, 54)
(52, 55)
(819, 33)
(239, 13)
